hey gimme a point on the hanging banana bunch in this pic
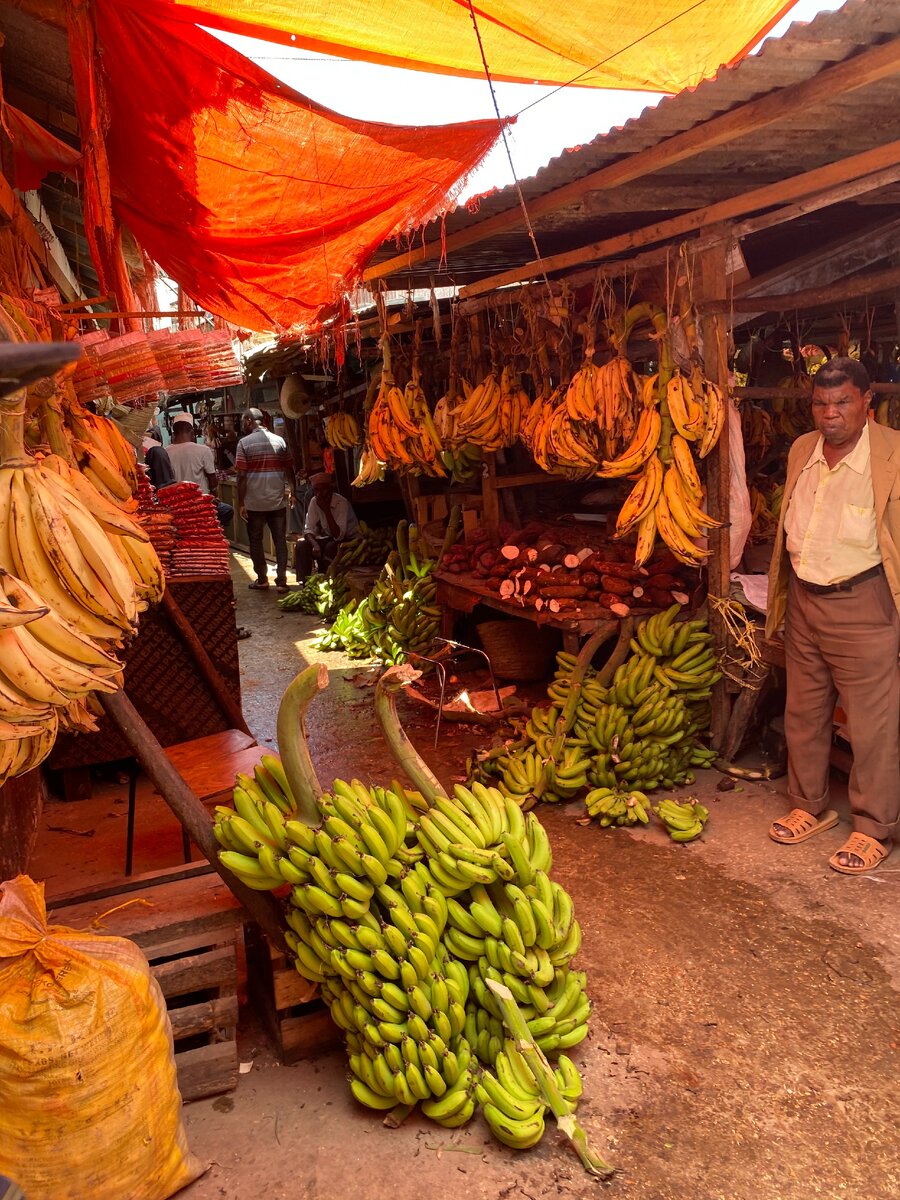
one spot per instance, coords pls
(342, 430)
(677, 410)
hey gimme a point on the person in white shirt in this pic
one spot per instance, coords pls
(195, 464)
(329, 520)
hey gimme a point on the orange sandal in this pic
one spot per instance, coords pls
(802, 825)
(868, 850)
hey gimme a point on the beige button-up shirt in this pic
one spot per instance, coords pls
(830, 522)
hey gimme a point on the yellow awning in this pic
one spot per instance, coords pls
(663, 47)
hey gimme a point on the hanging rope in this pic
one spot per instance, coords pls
(502, 125)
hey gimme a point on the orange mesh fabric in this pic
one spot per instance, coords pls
(661, 47)
(263, 205)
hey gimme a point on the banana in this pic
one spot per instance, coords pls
(517, 1134)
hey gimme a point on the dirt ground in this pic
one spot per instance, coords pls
(744, 1042)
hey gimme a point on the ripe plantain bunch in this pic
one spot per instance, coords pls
(401, 431)
(342, 430)
(76, 568)
(491, 414)
(667, 496)
(414, 910)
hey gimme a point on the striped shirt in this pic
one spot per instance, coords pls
(264, 459)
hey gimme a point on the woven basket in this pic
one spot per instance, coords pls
(519, 650)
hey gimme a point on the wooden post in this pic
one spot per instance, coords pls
(715, 355)
(21, 805)
(262, 906)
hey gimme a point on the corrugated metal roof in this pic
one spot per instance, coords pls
(823, 133)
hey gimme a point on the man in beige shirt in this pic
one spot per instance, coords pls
(835, 579)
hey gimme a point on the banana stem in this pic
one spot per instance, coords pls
(404, 752)
(546, 1081)
(12, 431)
(452, 533)
(292, 744)
(570, 709)
(620, 652)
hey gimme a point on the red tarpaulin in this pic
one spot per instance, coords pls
(263, 205)
(35, 151)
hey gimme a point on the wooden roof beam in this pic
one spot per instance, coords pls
(847, 76)
(795, 188)
(872, 284)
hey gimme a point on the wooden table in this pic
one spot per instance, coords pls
(463, 593)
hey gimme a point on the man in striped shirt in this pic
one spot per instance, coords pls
(265, 483)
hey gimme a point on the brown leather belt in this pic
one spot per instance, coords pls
(825, 589)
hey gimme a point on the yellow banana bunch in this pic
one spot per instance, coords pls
(716, 413)
(342, 431)
(102, 452)
(639, 450)
(19, 755)
(617, 397)
(642, 498)
(684, 461)
(492, 415)
(582, 393)
(371, 470)
(675, 536)
(686, 411)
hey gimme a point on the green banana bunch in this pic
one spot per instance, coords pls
(683, 822)
(639, 733)
(400, 615)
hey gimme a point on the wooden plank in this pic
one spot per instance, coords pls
(158, 913)
(211, 775)
(777, 107)
(715, 359)
(308, 1034)
(528, 479)
(21, 805)
(219, 1014)
(207, 1070)
(854, 252)
(220, 933)
(196, 972)
(289, 987)
(847, 289)
(135, 883)
(793, 188)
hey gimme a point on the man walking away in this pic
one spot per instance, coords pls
(193, 463)
(329, 519)
(265, 478)
(835, 581)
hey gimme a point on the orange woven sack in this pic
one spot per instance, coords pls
(89, 1103)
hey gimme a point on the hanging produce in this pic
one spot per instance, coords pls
(401, 432)
(677, 411)
(75, 570)
(440, 942)
(342, 430)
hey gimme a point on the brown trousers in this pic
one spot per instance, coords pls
(847, 644)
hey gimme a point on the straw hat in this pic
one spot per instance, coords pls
(295, 397)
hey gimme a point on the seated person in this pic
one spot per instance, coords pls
(329, 519)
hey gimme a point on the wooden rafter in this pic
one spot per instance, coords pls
(776, 107)
(796, 187)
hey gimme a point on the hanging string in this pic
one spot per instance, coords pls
(529, 227)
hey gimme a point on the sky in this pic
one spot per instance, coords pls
(563, 120)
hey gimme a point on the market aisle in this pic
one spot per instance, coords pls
(744, 1039)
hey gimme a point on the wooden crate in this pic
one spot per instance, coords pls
(295, 1018)
(187, 924)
